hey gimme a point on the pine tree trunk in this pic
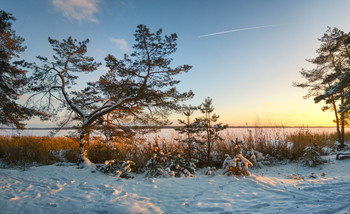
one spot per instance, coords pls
(342, 142)
(208, 139)
(209, 151)
(83, 157)
(338, 122)
(189, 139)
(342, 118)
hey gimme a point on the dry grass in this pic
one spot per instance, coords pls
(21, 151)
(42, 150)
(48, 150)
(276, 142)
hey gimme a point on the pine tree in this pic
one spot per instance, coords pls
(339, 80)
(189, 129)
(12, 78)
(138, 89)
(166, 165)
(238, 165)
(205, 125)
(312, 156)
(329, 81)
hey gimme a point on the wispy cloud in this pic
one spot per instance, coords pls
(121, 44)
(81, 10)
(239, 29)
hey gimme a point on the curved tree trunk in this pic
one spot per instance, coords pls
(83, 158)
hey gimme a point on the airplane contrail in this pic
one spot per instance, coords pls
(237, 30)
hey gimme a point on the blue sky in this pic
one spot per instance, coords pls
(248, 72)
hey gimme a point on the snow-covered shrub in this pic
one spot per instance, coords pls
(270, 160)
(120, 169)
(165, 165)
(157, 165)
(183, 167)
(327, 150)
(312, 157)
(236, 166)
(256, 158)
(337, 145)
(212, 171)
(339, 148)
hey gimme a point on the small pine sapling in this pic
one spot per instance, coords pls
(312, 157)
(208, 130)
(189, 130)
(236, 166)
(237, 147)
(165, 165)
(182, 167)
(120, 169)
(157, 165)
(212, 171)
(256, 158)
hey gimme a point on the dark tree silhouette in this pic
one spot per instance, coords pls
(12, 78)
(138, 89)
(206, 124)
(327, 82)
(189, 129)
(203, 130)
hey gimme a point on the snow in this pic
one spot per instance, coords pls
(66, 189)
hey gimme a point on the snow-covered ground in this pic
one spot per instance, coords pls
(66, 189)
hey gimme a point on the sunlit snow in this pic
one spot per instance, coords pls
(66, 189)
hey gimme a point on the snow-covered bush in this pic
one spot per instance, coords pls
(326, 150)
(312, 157)
(165, 165)
(270, 160)
(120, 169)
(236, 166)
(256, 158)
(212, 171)
(339, 148)
(183, 167)
(157, 165)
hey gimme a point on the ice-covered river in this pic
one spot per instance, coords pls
(232, 132)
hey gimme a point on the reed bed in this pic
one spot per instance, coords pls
(26, 150)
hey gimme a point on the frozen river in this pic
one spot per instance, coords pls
(232, 132)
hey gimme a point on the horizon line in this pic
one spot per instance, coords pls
(166, 127)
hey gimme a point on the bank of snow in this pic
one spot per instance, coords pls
(65, 189)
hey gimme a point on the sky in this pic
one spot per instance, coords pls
(245, 54)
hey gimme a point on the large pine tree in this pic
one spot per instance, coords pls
(137, 89)
(12, 78)
(329, 81)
